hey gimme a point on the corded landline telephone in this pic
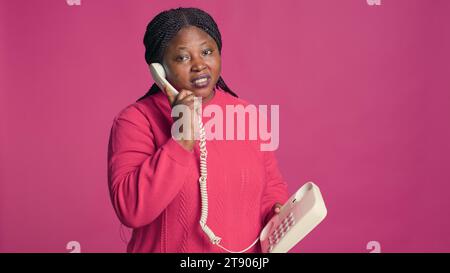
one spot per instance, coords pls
(303, 211)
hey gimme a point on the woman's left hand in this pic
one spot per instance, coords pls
(277, 208)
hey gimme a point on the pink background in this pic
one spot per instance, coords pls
(364, 95)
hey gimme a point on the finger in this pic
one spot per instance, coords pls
(187, 100)
(183, 93)
(277, 208)
(171, 96)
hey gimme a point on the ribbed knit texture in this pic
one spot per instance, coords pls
(153, 182)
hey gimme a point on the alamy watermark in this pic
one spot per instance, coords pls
(239, 122)
(373, 2)
(374, 247)
(73, 246)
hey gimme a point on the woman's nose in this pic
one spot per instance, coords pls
(198, 65)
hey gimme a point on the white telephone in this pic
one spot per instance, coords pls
(159, 76)
(298, 216)
(303, 211)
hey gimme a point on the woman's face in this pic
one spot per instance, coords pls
(192, 61)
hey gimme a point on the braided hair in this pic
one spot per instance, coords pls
(166, 25)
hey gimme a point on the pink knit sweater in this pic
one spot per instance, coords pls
(153, 183)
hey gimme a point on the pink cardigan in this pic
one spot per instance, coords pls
(153, 183)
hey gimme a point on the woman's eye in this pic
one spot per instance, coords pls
(207, 52)
(182, 58)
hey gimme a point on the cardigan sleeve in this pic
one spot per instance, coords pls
(143, 179)
(276, 188)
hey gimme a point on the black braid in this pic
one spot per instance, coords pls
(164, 26)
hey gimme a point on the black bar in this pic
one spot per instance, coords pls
(196, 262)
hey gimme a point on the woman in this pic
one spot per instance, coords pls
(153, 178)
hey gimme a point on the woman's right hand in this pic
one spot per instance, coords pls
(185, 97)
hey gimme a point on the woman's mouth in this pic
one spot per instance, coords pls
(201, 81)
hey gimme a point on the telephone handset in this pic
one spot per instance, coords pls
(303, 211)
(159, 76)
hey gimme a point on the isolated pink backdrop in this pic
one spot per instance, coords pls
(364, 95)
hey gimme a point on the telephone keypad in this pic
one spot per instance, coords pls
(281, 230)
